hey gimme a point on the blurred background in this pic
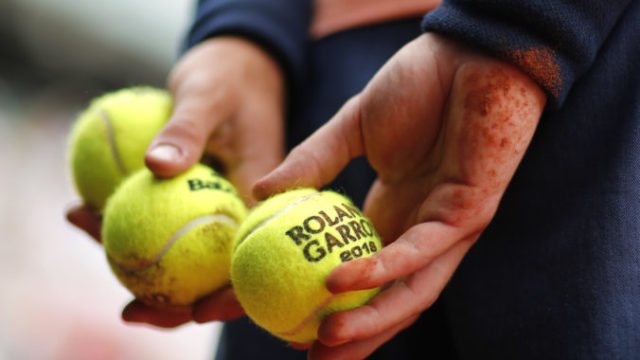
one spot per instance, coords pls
(58, 299)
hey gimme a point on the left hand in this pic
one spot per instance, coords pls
(445, 127)
(220, 305)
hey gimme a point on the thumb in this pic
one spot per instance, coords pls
(181, 143)
(320, 158)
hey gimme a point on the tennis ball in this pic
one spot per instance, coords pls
(169, 241)
(110, 137)
(283, 253)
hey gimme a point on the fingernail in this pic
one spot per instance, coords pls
(165, 153)
(131, 316)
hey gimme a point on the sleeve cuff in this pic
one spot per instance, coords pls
(553, 43)
(282, 29)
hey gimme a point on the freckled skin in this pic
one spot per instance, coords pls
(490, 126)
(485, 129)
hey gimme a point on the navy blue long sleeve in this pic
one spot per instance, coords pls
(281, 26)
(555, 42)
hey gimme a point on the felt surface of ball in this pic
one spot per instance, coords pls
(110, 137)
(169, 241)
(283, 253)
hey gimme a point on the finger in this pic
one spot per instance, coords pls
(317, 160)
(357, 349)
(412, 251)
(405, 299)
(257, 152)
(245, 174)
(180, 144)
(138, 312)
(86, 219)
(219, 306)
(299, 346)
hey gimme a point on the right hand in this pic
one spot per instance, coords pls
(228, 103)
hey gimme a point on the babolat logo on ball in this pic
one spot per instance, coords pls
(215, 183)
(338, 228)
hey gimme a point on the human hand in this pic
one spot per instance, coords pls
(445, 127)
(228, 102)
(221, 305)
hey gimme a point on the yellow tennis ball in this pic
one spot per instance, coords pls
(283, 253)
(110, 137)
(169, 241)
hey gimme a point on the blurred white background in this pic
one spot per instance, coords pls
(58, 298)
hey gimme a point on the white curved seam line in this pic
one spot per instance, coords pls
(308, 319)
(112, 141)
(278, 213)
(178, 234)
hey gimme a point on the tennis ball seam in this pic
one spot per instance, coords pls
(309, 318)
(104, 115)
(177, 235)
(276, 214)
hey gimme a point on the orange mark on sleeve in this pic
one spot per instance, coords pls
(541, 65)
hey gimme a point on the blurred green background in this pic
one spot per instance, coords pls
(58, 298)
